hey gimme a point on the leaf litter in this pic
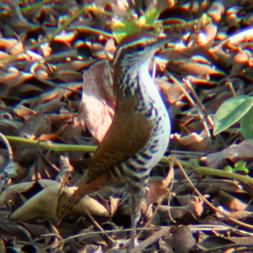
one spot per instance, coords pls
(55, 64)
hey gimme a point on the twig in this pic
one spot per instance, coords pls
(57, 147)
(235, 221)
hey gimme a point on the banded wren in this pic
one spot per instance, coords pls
(138, 136)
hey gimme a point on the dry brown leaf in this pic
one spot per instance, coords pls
(214, 185)
(173, 92)
(194, 204)
(19, 188)
(193, 141)
(14, 78)
(52, 106)
(65, 37)
(189, 67)
(199, 81)
(38, 205)
(158, 189)
(10, 126)
(78, 65)
(12, 46)
(235, 152)
(114, 204)
(221, 56)
(38, 124)
(241, 59)
(29, 88)
(87, 204)
(67, 75)
(97, 100)
(56, 93)
(3, 55)
(232, 203)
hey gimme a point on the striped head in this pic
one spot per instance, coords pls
(136, 50)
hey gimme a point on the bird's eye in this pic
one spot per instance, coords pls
(139, 47)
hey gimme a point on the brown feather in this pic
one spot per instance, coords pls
(128, 133)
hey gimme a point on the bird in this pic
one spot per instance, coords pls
(138, 136)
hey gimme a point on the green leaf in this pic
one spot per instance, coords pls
(124, 28)
(228, 168)
(131, 25)
(241, 166)
(246, 125)
(231, 111)
(151, 16)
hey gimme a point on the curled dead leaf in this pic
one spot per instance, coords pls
(97, 99)
(38, 206)
(44, 203)
(193, 141)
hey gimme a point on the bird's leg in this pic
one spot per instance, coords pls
(136, 197)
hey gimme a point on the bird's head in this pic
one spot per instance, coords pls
(136, 50)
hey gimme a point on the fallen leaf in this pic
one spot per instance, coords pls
(159, 188)
(38, 205)
(235, 152)
(35, 126)
(231, 202)
(193, 141)
(97, 100)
